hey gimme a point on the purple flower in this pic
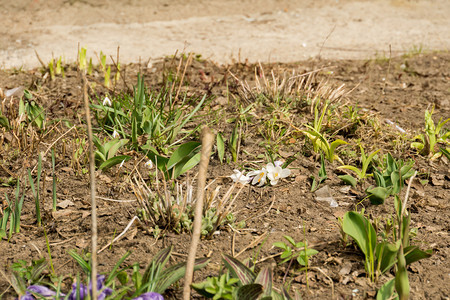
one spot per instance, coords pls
(83, 290)
(149, 296)
(40, 290)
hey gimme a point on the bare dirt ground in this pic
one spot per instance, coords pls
(398, 90)
(223, 31)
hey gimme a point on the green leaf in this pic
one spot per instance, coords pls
(386, 291)
(280, 245)
(115, 147)
(85, 266)
(159, 261)
(378, 194)
(4, 122)
(265, 279)
(175, 273)
(348, 179)
(113, 161)
(386, 255)
(332, 149)
(114, 272)
(290, 240)
(413, 254)
(185, 166)
(354, 169)
(181, 153)
(249, 292)
(445, 152)
(367, 161)
(361, 230)
(239, 270)
(220, 147)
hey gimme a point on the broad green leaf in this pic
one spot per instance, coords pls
(386, 291)
(182, 152)
(175, 273)
(250, 291)
(280, 245)
(348, 179)
(99, 146)
(413, 254)
(115, 147)
(378, 194)
(183, 167)
(265, 279)
(361, 230)
(386, 255)
(239, 270)
(113, 161)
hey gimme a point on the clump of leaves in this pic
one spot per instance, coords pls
(433, 135)
(380, 256)
(360, 173)
(105, 155)
(170, 206)
(390, 179)
(241, 283)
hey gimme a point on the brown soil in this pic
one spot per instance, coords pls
(382, 89)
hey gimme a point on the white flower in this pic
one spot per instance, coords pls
(260, 176)
(106, 101)
(278, 163)
(149, 164)
(275, 172)
(238, 176)
(115, 134)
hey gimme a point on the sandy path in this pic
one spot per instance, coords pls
(220, 30)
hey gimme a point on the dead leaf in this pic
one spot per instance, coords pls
(131, 233)
(65, 204)
(62, 213)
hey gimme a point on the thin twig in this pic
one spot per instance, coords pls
(120, 235)
(207, 142)
(253, 244)
(407, 193)
(93, 198)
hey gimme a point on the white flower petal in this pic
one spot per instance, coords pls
(106, 101)
(149, 164)
(285, 173)
(238, 176)
(270, 167)
(278, 163)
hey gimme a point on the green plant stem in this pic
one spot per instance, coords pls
(207, 143)
(49, 252)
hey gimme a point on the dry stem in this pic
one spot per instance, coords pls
(207, 142)
(92, 180)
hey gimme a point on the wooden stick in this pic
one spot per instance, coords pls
(207, 143)
(92, 180)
